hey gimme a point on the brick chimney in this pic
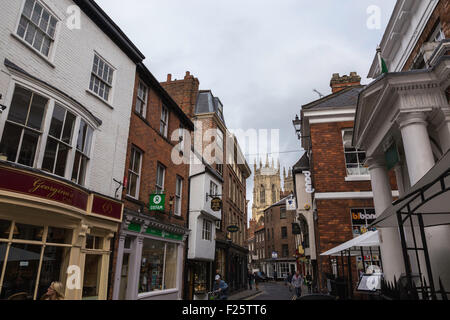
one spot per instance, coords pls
(184, 92)
(339, 83)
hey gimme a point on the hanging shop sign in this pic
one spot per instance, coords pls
(157, 202)
(274, 255)
(216, 204)
(41, 187)
(308, 182)
(290, 204)
(233, 228)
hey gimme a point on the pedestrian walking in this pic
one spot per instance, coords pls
(297, 281)
(275, 275)
(256, 277)
(289, 280)
(250, 278)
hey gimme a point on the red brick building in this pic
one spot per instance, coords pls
(150, 251)
(206, 111)
(340, 178)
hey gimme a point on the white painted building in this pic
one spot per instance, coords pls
(205, 185)
(403, 123)
(67, 76)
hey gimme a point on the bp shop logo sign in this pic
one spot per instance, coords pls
(157, 202)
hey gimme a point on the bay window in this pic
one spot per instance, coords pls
(207, 230)
(83, 150)
(59, 141)
(25, 139)
(23, 127)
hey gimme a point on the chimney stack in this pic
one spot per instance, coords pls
(339, 83)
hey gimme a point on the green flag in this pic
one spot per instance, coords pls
(382, 63)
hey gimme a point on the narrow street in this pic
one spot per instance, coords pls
(274, 291)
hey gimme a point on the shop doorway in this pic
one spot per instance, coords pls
(124, 277)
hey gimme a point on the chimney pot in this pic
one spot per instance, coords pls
(169, 77)
(188, 74)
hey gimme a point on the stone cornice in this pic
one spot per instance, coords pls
(149, 222)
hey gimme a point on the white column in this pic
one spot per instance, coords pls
(417, 145)
(444, 130)
(119, 262)
(391, 250)
(134, 269)
(399, 177)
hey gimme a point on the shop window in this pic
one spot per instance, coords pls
(54, 266)
(93, 242)
(170, 270)
(37, 27)
(59, 141)
(354, 158)
(127, 244)
(82, 153)
(28, 232)
(152, 266)
(178, 195)
(200, 281)
(59, 235)
(5, 229)
(21, 272)
(91, 279)
(361, 219)
(134, 173)
(141, 100)
(101, 78)
(23, 128)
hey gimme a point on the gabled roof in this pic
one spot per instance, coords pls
(345, 98)
(302, 164)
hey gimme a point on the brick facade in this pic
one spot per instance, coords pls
(156, 149)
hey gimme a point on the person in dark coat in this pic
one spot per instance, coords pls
(250, 278)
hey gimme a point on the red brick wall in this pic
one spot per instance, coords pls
(144, 134)
(442, 14)
(184, 92)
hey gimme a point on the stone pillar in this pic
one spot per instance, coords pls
(417, 145)
(443, 130)
(399, 177)
(118, 271)
(391, 250)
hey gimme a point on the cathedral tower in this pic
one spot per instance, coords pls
(266, 188)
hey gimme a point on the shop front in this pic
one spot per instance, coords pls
(150, 259)
(231, 261)
(53, 230)
(199, 279)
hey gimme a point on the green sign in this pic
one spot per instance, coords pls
(164, 234)
(157, 202)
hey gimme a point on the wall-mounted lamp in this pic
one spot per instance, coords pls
(298, 126)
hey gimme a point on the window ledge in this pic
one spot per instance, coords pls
(31, 48)
(358, 178)
(100, 99)
(156, 293)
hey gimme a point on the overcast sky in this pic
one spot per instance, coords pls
(262, 58)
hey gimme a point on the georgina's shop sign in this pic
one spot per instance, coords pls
(41, 187)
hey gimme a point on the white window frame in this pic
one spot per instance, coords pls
(96, 75)
(178, 196)
(53, 39)
(143, 99)
(207, 230)
(181, 138)
(164, 122)
(134, 152)
(213, 189)
(362, 171)
(161, 187)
